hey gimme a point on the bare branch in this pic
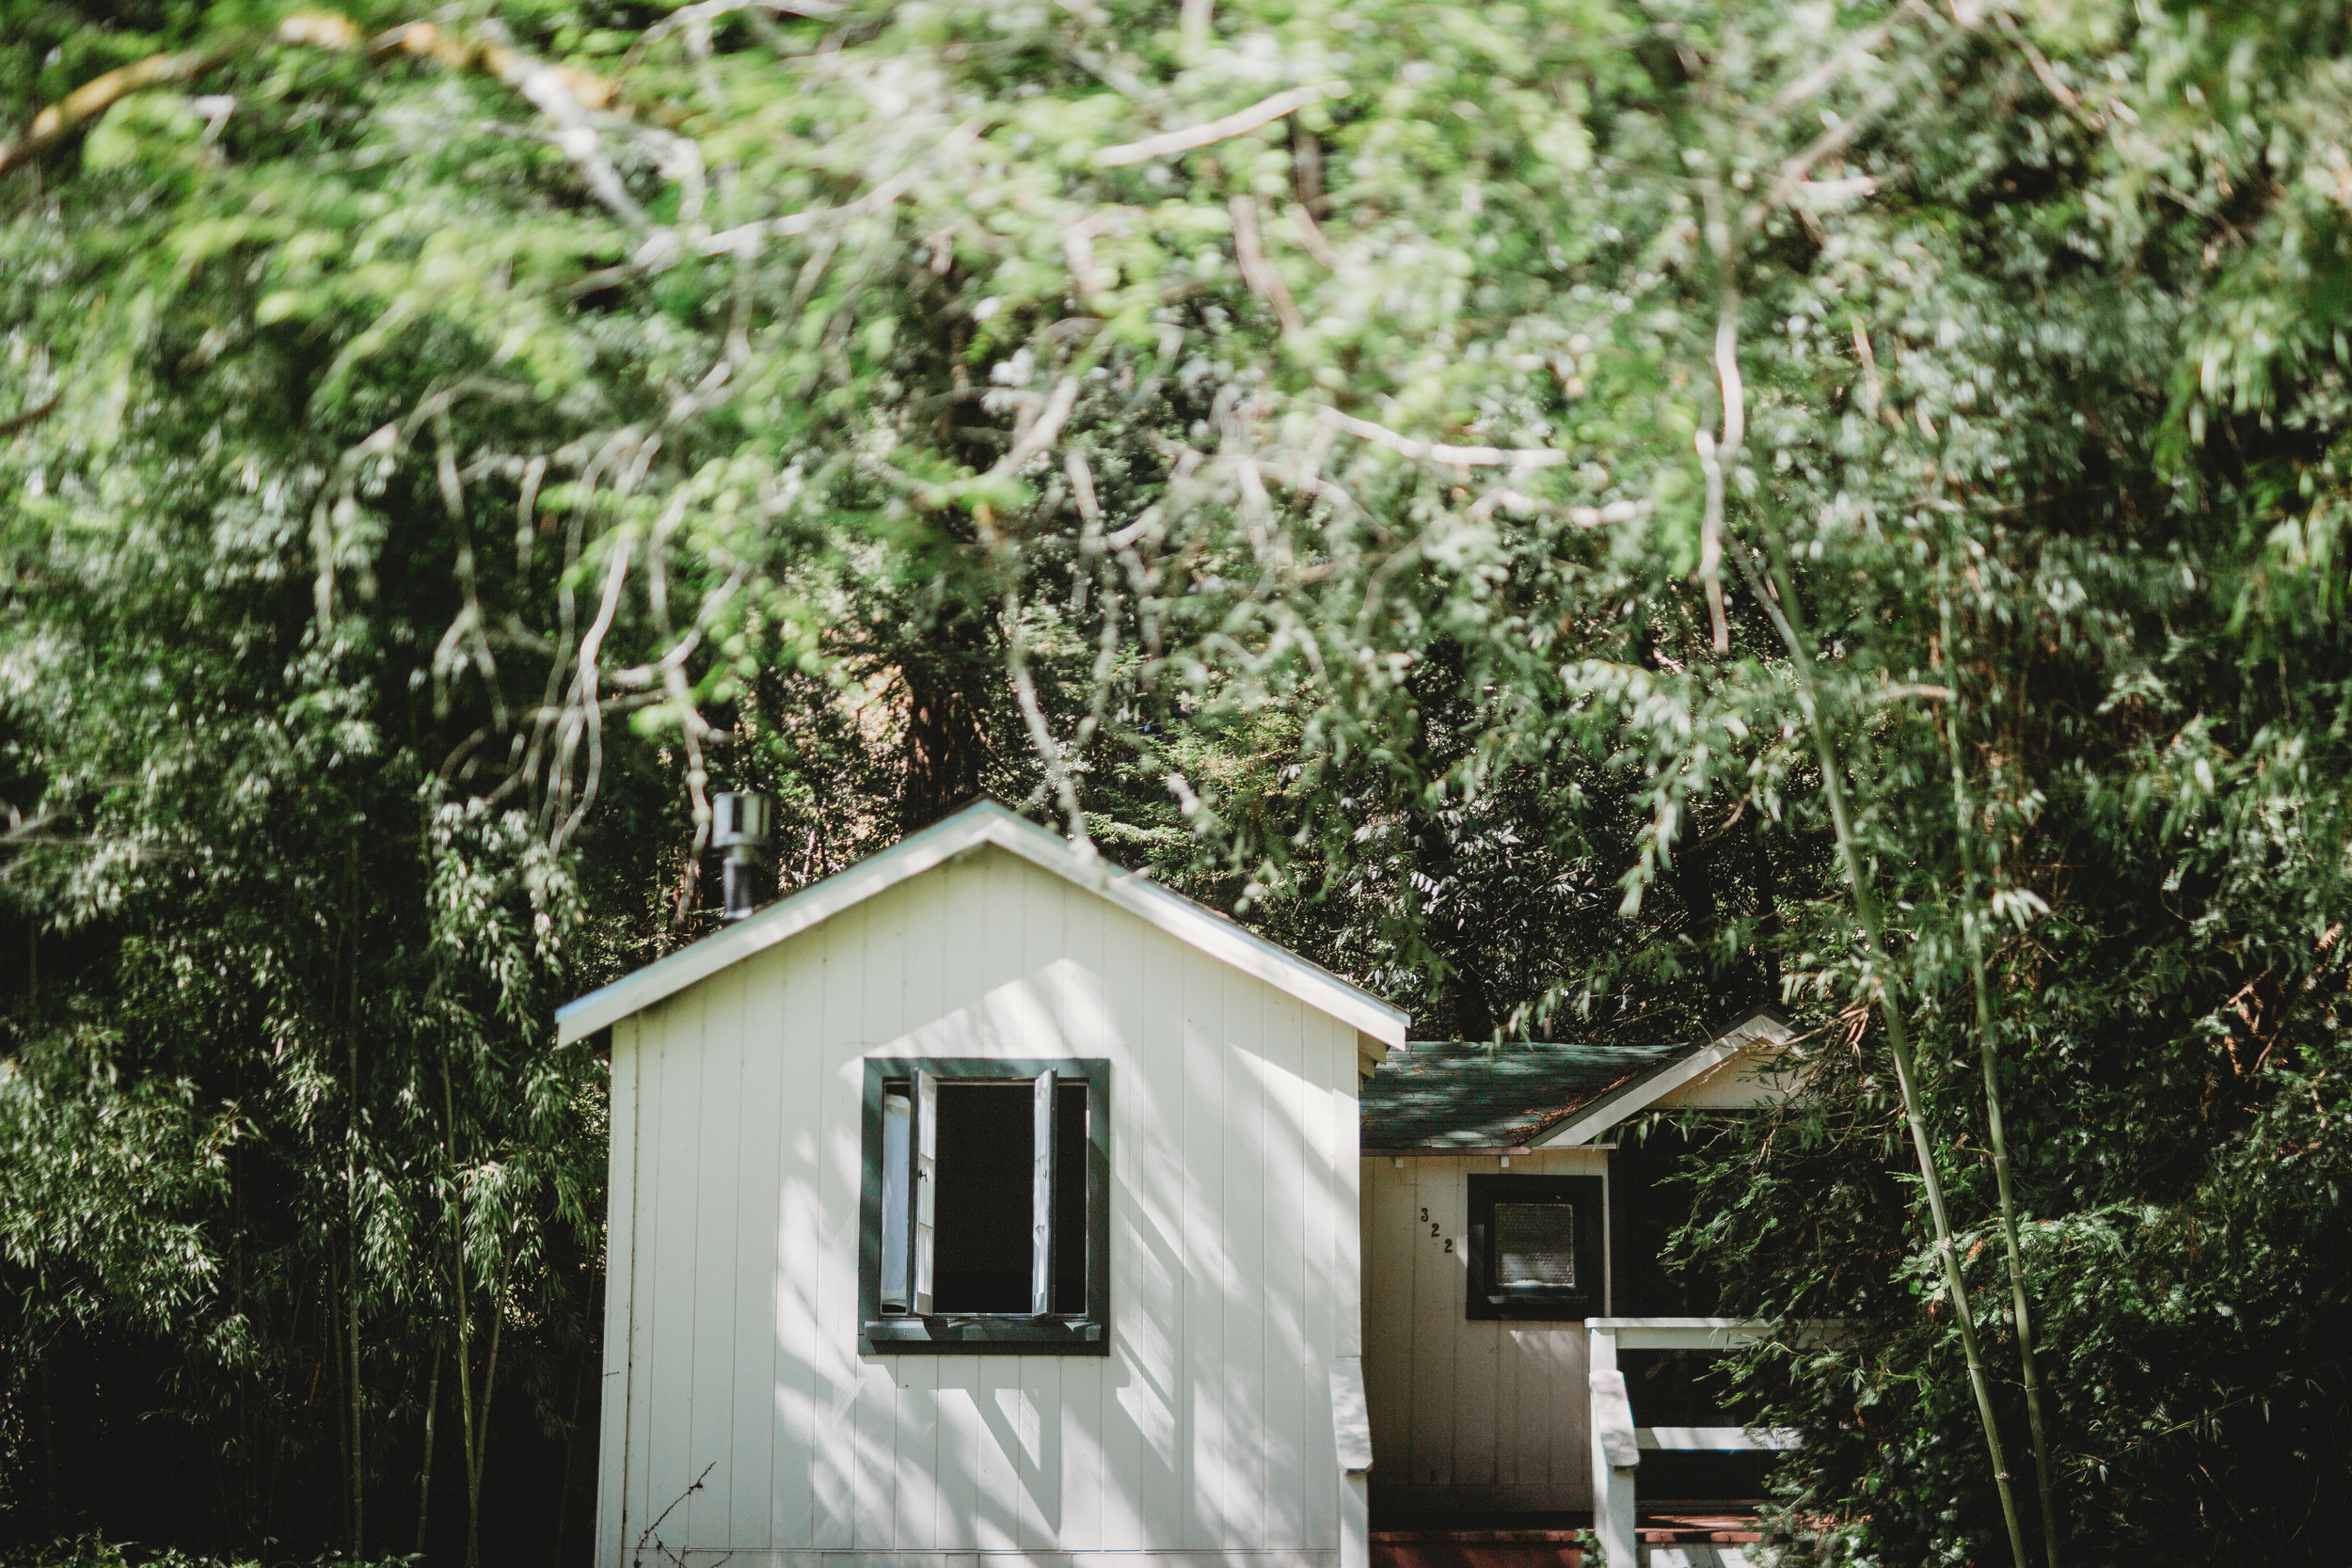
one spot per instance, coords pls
(1077, 244)
(1264, 112)
(709, 11)
(1049, 752)
(1578, 517)
(23, 829)
(94, 97)
(1098, 694)
(2043, 70)
(1311, 236)
(1859, 48)
(1462, 457)
(327, 518)
(1194, 23)
(564, 94)
(1082, 486)
(1870, 390)
(534, 473)
(875, 200)
(591, 716)
(691, 720)
(1719, 450)
(1250, 252)
(30, 417)
(470, 624)
(1044, 432)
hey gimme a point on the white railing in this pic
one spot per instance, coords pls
(1618, 1444)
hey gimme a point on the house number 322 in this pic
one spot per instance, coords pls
(1433, 1230)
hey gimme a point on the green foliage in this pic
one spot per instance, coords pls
(1299, 445)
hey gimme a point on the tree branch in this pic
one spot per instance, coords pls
(1249, 251)
(1264, 112)
(1463, 457)
(30, 417)
(94, 97)
(562, 93)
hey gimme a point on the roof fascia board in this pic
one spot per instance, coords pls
(1188, 922)
(1757, 1028)
(779, 922)
(986, 823)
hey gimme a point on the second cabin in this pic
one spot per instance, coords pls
(987, 1199)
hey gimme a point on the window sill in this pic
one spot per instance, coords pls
(948, 1334)
(1573, 1309)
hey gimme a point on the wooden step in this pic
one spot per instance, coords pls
(1476, 1548)
(1720, 1529)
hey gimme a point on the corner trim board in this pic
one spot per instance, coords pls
(1351, 1418)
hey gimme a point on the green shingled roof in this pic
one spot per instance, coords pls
(1447, 1094)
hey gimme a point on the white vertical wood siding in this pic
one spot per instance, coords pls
(732, 1356)
(1466, 1415)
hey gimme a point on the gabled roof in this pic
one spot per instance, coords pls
(1440, 1095)
(1448, 1094)
(985, 822)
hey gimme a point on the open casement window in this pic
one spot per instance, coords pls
(985, 1222)
(1535, 1247)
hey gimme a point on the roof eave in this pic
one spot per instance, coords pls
(1425, 1151)
(985, 822)
(1762, 1025)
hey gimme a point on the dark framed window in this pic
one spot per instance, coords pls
(1536, 1248)
(984, 1222)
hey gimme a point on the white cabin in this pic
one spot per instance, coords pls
(987, 1199)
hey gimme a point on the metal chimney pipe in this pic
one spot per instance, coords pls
(743, 823)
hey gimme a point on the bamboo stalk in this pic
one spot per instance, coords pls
(350, 937)
(482, 1444)
(465, 1334)
(425, 1474)
(1788, 619)
(2043, 1476)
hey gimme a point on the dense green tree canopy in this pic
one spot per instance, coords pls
(1583, 517)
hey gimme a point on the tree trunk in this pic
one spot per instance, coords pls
(1692, 876)
(1462, 995)
(946, 746)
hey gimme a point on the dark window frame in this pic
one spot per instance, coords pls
(1587, 1192)
(1086, 1333)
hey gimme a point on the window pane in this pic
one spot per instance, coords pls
(897, 1143)
(1070, 1198)
(981, 1245)
(1534, 1246)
